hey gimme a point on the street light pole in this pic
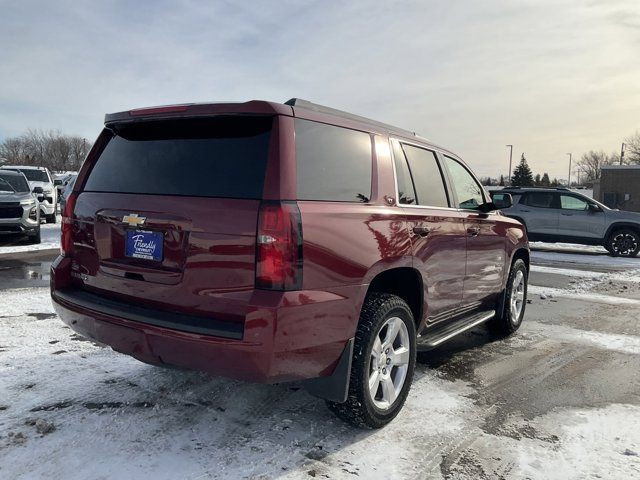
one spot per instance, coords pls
(622, 153)
(510, 157)
(569, 179)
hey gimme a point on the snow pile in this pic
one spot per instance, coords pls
(599, 443)
(556, 258)
(568, 247)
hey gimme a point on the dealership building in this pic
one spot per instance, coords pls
(619, 187)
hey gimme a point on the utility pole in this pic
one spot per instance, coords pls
(510, 157)
(622, 154)
(569, 179)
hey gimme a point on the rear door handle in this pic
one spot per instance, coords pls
(523, 210)
(421, 230)
(473, 231)
(567, 214)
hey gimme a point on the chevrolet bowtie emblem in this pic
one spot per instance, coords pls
(133, 219)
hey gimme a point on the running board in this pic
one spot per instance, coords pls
(435, 336)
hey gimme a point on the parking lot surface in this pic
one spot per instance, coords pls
(560, 399)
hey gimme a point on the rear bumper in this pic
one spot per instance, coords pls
(286, 336)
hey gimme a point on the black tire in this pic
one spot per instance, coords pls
(623, 243)
(359, 409)
(504, 323)
(51, 218)
(34, 238)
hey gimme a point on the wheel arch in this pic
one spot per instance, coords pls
(523, 254)
(618, 226)
(404, 282)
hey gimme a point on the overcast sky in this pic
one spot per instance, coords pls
(550, 77)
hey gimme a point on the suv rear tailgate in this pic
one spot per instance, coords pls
(187, 189)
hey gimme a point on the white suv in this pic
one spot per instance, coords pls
(40, 177)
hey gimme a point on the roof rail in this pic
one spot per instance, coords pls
(539, 187)
(307, 105)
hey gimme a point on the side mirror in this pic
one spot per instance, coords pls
(38, 190)
(502, 200)
(593, 208)
(487, 207)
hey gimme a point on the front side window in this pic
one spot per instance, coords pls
(333, 163)
(569, 202)
(539, 199)
(468, 190)
(427, 177)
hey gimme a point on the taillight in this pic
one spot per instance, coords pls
(279, 247)
(66, 241)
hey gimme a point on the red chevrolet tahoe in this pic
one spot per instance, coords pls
(284, 242)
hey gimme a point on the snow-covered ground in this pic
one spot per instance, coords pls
(71, 409)
(50, 236)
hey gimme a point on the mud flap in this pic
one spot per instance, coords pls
(335, 387)
(500, 304)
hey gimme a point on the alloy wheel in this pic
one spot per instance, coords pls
(517, 296)
(389, 363)
(624, 243)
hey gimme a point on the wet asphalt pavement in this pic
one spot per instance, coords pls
(22, 273)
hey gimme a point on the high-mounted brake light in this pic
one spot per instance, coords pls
(158, 110)
(279, 247)
(66, 241)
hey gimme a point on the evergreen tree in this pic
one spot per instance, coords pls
(522, 176)
(555, 182)
(545, 182)
(501, 183)
(537, 182)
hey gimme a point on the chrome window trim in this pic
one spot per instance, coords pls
(395, 176)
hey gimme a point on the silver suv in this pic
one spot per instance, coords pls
(39, 177)
(562, 215)
(19, 212)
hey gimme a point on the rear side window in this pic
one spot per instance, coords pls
(219, 157)
(406, 191)
(539, 199)
(333, 163)
(427, 177)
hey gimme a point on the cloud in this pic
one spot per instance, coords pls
(549, 77)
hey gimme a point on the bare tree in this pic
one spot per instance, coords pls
(591, 163)
(50, 149)
(632, 149)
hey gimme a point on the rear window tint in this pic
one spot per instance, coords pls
(221, 157)
(333, 163)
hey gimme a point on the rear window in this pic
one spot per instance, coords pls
(34, 175)
(221, 157)
(333, 163)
